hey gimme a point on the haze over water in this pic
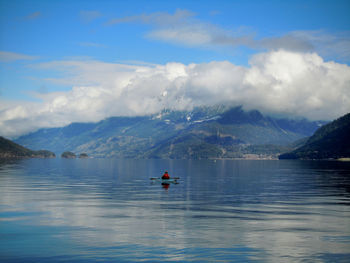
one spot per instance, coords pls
(54, 210)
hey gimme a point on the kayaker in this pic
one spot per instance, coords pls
(166, 175)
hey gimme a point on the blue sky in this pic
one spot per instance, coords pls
(53, 46)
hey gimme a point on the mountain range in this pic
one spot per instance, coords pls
(205, 132)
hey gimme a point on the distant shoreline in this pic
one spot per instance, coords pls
(250, 158)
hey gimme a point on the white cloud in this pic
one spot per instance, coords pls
(87, 16)
(12, 56)
(91, 44)
(300, 84)
(336, 45)
(33, 16)
(180, 16)
(184, 28)
(292, 83)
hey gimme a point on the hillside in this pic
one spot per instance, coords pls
(9, 149)
(332, 141)
(205, 132)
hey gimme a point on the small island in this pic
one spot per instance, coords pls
(68, 155)
(83, 155)
(44, 154)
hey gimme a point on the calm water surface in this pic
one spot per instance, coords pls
(89, 210)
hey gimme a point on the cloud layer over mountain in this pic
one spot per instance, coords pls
(282, 82)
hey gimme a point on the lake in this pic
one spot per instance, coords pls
(108, 210)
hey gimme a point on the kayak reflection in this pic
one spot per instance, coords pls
(165, 186)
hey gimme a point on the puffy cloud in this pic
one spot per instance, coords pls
(299, 84)
(291, 83)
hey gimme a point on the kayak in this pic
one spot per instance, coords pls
(165, 181)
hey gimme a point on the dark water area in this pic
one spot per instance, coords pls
(107, 210)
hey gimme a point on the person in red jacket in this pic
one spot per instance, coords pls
(166, 175)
